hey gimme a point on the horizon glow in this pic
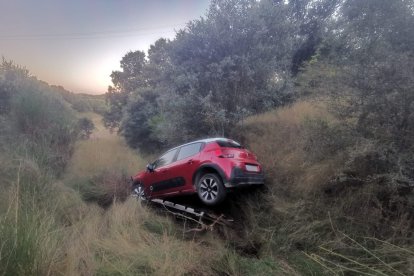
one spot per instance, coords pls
(77, 44)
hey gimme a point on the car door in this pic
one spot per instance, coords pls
(186, 163)
(159, 178)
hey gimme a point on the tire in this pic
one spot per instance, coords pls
(139, 192)
(210, 189)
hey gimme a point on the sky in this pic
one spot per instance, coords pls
(78, 43)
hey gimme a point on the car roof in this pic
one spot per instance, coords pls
(206, 140)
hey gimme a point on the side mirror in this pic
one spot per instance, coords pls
(150, 167)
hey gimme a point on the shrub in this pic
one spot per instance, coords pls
(323, 139)
(322, 178)
(36, 141)
(81, 106)
(104, 188)
(85, 126)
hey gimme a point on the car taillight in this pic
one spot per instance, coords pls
(220, 154)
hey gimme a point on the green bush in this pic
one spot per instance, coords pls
(41, 125)
(85, 127)
(36, 140)
(103, 188)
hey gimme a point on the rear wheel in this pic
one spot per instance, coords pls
(210, 189)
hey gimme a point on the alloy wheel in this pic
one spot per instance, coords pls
(209, 189)
(139, 192)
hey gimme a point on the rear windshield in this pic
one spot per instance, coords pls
(228, 144)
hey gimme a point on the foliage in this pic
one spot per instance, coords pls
(324, 188)
(45, 227)
(38, 122)
(218, 70)
(365, 71)
(82, 102)
(140, 121)
(338, 160)
(85, 126)
(36, 140)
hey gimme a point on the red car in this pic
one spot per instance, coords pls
(208, 167)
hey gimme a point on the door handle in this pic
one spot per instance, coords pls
(190, 161)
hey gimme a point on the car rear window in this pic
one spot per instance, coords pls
(228, 144)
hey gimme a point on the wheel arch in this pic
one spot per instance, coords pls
(136, 181)
(208, 168)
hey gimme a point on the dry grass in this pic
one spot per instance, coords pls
(306, 154)
(54, 232)
(101, 167)
(127, 238)
(278, 138)
(103, 151)
(137, 241)
(93, 156)
(367, 256)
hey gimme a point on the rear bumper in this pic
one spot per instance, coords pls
(242, 178)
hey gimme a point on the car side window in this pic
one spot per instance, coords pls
(166, 159)
(189, 150)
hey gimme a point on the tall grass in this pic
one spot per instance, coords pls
(35, 143)
(280, 139)
(127, 238)
(50, 224)
(130, 239)
(47, 227)
(137, 242)
(309, 194)
(28, 230)
(101, 167)
(367, 256)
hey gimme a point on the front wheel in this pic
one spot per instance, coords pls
(139, 192)
(210, 189)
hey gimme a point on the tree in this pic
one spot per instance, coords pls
(140, 120)
(313, 18)
(124, 83)
(231, 64)
(219, 69)
(365, 70)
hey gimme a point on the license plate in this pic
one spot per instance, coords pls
(252, 168)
